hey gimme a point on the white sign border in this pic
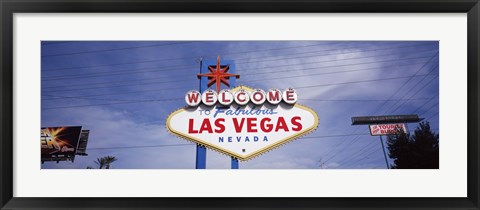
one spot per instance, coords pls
(255, 154)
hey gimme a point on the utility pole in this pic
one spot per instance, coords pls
(384, 153)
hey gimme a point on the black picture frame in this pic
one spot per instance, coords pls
(10, 7)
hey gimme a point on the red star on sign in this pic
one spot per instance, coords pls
(218, 75)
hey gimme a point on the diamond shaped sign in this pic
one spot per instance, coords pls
(244, 131)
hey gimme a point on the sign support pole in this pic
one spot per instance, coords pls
(233, 83)
(201, 162)
(384, 153)
(201, 157)
(201, 150)
(234, 163)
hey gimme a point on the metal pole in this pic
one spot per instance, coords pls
(201, 157)
(234, 163)
(384, 154)
(233, 83)
(201, 162)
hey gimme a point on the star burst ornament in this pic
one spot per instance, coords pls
(218, 75)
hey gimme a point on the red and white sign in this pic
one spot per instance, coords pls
(243, 130)
(387, 129)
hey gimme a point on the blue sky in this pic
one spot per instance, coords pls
(123, 92)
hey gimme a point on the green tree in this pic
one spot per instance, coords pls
(104, 162)
(100, 162)
(417, 151)
(109, 160)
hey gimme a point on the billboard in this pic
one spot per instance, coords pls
(366, 120)
(242, 131)
(59, 143)
(82, 143)
(387, 129)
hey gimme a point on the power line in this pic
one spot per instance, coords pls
(361, 81)
(352, 82)
(404, 84)
(169, 145)
(428, 119)
(359, 152)
(141, 91)
(107, 104)
(423, 66)
(325, 61)
(371, 147)
(126, 85)
(305, 99)
(419, 82)
(185, 68)
(110, 99)
(183, 58)
(263, 79)
(423, 105)
(354, 140)
(115, 49)
(316, 74)
(249, 52)
(362, 100)
(120, 72)
(343, 83)
(332, 66)
(429, 109)
(426, 84)
(55, 42)
(163, 77)
(144, 146)
(337, 49)
(113, 82)
(331, 136)
(369, 154)
(366, 156)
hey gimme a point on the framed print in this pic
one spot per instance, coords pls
(239, 105)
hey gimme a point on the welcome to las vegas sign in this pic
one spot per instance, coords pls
(242, 122)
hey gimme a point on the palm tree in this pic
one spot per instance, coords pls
(105, 161)
(108, 160)
(101, 162)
